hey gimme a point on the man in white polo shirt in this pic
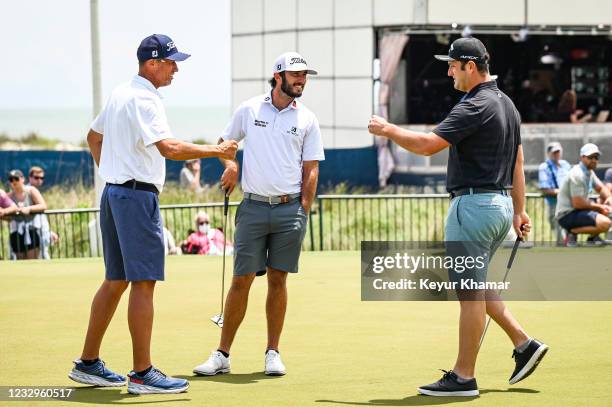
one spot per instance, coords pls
(282, 150)
(129, 141)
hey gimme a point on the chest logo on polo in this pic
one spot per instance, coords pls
(293, 131)
(260, 123)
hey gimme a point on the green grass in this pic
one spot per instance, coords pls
(338, 349)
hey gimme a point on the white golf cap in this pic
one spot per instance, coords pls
(553, 147)
(589, 149)
(291, 61)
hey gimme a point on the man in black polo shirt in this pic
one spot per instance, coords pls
(485, 161)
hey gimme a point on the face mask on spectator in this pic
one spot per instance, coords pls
(203, 228)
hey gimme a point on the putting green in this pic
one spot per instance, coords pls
(338, 350)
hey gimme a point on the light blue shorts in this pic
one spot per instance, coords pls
(476, 225)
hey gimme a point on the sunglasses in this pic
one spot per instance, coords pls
(593, 157)
(203, 223)
(12, 179)
(39, 178)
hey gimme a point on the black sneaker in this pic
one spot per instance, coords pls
(448, 385)
(595, 241)
(572, 240)
(528, 360)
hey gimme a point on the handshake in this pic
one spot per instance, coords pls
(227, 149)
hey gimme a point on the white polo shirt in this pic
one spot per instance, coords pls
(275, 144)
(133, 120)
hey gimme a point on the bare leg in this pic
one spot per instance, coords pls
(235, 308)
(276, 306)
(140, 320)
(103, 307)
(471, 326)
(498, 311)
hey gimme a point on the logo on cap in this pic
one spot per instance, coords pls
(155, 54)
(297, 61)
(170, 45)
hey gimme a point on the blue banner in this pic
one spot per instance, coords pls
(354, 166)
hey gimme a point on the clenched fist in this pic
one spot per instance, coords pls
(227, 149)
(229, 178)
(377, 125)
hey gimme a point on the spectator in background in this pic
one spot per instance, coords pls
(575, 212)
(190, 176)
(36, 177)
(608, 178)
(25, 225)
(567, 111)
(206, 240)
(551, 175)
(608, 182)
(170, 247)
(7, 206)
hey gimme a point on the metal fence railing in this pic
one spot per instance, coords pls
(336, 222)
(341, 222)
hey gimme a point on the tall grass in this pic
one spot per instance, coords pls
(334, 224)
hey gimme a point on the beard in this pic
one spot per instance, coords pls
(287, 90)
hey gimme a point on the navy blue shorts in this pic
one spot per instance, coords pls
(132, 234)
(577, 219)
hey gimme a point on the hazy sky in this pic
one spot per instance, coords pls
(47, 52)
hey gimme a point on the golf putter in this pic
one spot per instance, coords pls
(510, 261)
(218, 319)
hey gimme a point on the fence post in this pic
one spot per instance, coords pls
(320, 223)
(311, 231)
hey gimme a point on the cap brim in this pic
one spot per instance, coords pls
(443, 58)
(308, 71)
(178, 56)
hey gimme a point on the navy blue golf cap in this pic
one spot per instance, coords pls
(159, 46)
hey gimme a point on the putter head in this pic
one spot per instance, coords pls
(218, 320)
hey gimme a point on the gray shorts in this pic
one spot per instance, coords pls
(268, 236)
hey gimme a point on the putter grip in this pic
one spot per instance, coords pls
(514, 249)
(225, 204)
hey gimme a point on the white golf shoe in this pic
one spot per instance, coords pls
(216, 363)
(274, 364)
